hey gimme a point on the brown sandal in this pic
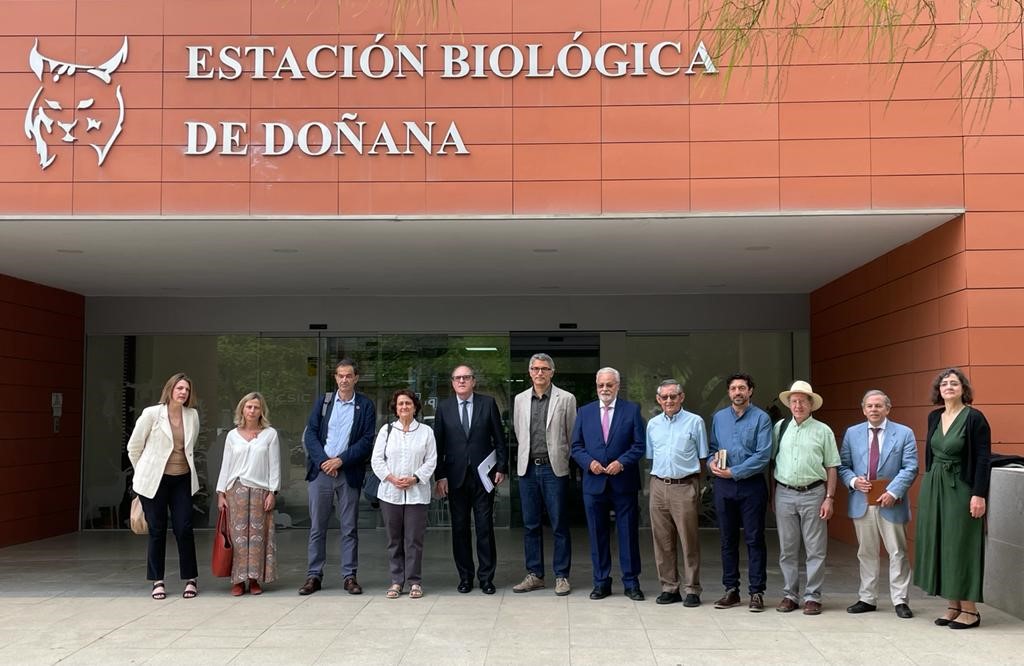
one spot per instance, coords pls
(394, 591)
(416, 591)
(159, 591)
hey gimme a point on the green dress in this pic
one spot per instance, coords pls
(949, 553)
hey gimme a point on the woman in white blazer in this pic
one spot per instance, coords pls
(161, 451)
(404, 458)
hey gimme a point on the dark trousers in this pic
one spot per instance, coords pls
(743, 504)
(174, 493)
(405, 525)
(541, 489)
(626, 524)
(471, 497)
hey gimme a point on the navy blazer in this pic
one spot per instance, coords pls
(457, 452)
(627, 441)
(360, 440)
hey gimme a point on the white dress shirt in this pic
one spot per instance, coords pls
(400, 453)
(256, 463)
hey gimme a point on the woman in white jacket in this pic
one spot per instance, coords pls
(404, 458)
(161, 450)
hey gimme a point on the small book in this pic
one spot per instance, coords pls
(720, 456)
(878, 487)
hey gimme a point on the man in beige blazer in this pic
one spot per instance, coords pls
(544, 417)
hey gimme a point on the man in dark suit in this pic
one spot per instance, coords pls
(338, 440)
(608, 442)
(468, 429)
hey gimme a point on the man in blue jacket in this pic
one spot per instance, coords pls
(608, 442)
(338, 440)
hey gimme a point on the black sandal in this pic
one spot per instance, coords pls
(190, 593)
(944, 621)
(960, 625)
(159, 590)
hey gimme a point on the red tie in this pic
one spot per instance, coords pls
(873, 455)
(604, 420)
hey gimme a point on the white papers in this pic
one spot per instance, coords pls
(484, 470)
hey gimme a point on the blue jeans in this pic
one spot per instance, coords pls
(539, 488)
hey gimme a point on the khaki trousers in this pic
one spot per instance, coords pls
(674, 518)
(871, 530)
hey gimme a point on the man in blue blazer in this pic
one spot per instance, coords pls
(880, 451)
(339, 440)
(608, 442)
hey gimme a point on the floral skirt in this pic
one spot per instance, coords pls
(252, 535)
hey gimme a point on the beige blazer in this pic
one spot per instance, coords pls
(151, 444)
(561, 419)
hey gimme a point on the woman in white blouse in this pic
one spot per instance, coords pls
(250, 477)
(404, 458)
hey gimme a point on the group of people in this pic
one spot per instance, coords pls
(793, 466)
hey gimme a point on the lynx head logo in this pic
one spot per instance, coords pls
(78, 119)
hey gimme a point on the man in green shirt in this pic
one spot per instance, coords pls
(805, 458)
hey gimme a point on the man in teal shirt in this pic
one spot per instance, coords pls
(806, 459)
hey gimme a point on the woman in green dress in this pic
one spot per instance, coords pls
(949, 556)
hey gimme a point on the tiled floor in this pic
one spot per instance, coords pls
(81, 599)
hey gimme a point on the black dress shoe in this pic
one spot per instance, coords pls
(691, 601)
(903, 611)
(635, 593)
(600, 592)
(669, 598)
(465, 586)
(860, 607)
(963, 625)
(488, 588)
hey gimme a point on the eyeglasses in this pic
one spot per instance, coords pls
(462, 378)
(607, 385)
(669, 396)
(540, 370)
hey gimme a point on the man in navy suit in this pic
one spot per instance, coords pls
(608, 442)
(880, 451)
(467, 428)
(338, 440)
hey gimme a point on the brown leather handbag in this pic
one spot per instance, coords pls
(220, 559)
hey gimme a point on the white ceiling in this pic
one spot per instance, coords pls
(646, 254)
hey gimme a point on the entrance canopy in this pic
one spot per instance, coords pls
(410, 256)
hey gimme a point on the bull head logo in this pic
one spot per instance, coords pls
(49, 106)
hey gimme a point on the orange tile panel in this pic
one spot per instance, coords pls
(293, 199)
(294, 167)
(314, 93)
(491, 163)
(565, 124)
(943, 43)
(119, 17)
(927, 352)
(734, 159)
(545, 16)
(145, 52)
(175, 130)
(125, 164)
(116, 198)
(994, 154)
(914, 80)
(20, 164)
(655, 15)
(477, 126)
(824, 157)
(930, 248)
(210, 64)
(993, 231)
(957, 348)
(468, 92)
(467, 16)
(551, 42)
(386, 168)
(63, 325)
(464, 198)
(824, 120)
(35, 198)
(998, 385)
(205, 198)
(382, 198)
(917, 191)
(180, 93)
(826, 83)
(734, 122)
(178, 167)
(1006, 419)
(140, 90)
(642, 196)
(14, 49)
(650, 89)
(296, 17)
(374, 120)
(19, 88)
(481, 47)
(644, 161)
(1006, 79)
(996, 117)
(988, 269)
(24, 17)
(559, 91)
(557, 162)
(953, 273)
(907, 118)
(362, 17)
(919, 286)
(556, 196)
(953, 311)
(224, 17)
(917, 155)
(825, 193)
(996, 346)
(734, 194)
(995, 192)
(142, 127)
(815, 46)
(645, 123)
(755, 83)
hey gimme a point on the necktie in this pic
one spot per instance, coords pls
(873, 455)
(465, 417)
(604, 420)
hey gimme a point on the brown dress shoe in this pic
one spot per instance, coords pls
(730, 599)
(311, 585)
(352, 586)
(812, 608)
(787, 605)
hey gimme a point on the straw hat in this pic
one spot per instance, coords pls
(801, 386)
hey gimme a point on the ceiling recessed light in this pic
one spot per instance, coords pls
(69, 251)
(545, 250)
(486, 349)
(285, 250)
(757, 248)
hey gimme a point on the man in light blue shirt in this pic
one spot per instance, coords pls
(676, 444)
